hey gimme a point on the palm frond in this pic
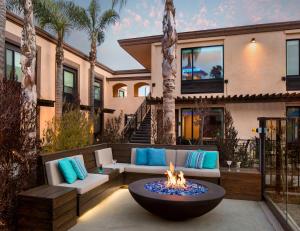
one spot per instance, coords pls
(14, 5)
(121, 3)
(93, 10)
(109, 17)
(100, 38)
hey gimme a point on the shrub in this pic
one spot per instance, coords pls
(72, 130)
(112, 132)
(18, 149)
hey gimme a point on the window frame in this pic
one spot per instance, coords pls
(193, 48)
(193, 110)
(100, 81)
(13, 48)
(286, 57)
(76, 91)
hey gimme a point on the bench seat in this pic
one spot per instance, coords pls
(89, 183)
(215, 173)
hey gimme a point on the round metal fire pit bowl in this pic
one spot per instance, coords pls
(175, 207)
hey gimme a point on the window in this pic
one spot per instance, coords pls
(292, 57)
(202, 70)
(13, 63)
(141, 89)
(120, 90)
(293, 125)
(196, 124)
(202, 63)
(70, 85)
(98, 93)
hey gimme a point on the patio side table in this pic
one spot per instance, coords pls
(47, 208)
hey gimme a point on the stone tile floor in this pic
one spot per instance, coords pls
(120, 212)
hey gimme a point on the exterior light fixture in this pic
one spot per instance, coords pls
(253, 40)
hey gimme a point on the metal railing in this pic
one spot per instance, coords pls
(136, 120)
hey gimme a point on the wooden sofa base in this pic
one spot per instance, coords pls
(93, 197)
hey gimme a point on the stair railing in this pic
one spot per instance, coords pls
(136, 120)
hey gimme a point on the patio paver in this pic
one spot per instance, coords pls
(121, 212)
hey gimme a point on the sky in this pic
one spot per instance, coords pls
(144, 18)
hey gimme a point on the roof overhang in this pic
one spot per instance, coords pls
(140, 48)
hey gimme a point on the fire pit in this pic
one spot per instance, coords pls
(176, 198)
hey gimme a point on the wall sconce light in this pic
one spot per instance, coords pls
(226, 81)
(253, 40)
(153, 84)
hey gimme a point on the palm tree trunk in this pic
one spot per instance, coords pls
(28, 63)
(59, 79)
(2, 36)
(169, 72)
(93, 55)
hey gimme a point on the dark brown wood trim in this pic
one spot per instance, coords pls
(249, 29)
(129, 78)
(45, 103)
(108, 110)
(85, 107)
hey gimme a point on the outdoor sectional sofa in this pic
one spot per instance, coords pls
(134, 172)
(96, 187)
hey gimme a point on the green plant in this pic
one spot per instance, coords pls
(112, 132)
(19, 150)
(72, 130)
(228, 143)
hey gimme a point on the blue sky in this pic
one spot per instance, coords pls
(143, 18)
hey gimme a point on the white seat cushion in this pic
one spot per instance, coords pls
(104, 156)
(199, 172)
(53, 174)
(181, 157)
(170, 156)
(146, 169)
(120, 166)
(89, 183)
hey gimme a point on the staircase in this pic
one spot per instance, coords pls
(138, 128)
(143, 133)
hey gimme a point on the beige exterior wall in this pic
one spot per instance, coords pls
(47, 80)
(250, 68)
(129, 104)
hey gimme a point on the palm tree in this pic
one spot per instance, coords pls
(2, 36)
(169, 72)
(58, 16)
(95, 23)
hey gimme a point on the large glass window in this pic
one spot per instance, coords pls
(293, 125)
(201, 124)
(202, 63)
(70, 85)
(293, 57)
(98, 93)
(13, 63)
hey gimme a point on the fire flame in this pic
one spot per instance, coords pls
(175, 179)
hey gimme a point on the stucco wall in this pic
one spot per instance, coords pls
(250, 68)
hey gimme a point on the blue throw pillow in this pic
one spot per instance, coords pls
(79, 168)
(195, 159)
(210, 159)
(141, 156)
(67, 170)
(156, 157)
